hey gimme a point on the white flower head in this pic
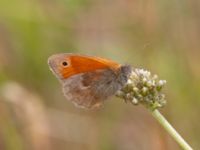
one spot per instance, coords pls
(144, 88)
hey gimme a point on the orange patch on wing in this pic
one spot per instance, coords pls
(82, 64)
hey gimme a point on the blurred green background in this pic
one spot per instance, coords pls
(161, 36)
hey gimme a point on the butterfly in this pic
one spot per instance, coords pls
(88, 81)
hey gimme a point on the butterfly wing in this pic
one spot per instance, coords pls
(88, 81)
(90, 90)
(77, 64)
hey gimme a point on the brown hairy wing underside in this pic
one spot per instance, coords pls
(90, 89)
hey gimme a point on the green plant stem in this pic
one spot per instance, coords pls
(161, 119)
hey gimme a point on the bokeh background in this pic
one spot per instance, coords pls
(161, 36)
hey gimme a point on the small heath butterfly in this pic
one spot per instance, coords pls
(87, 80)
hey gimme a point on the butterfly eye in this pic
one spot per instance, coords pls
(64, 63)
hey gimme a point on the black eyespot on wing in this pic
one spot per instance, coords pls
(64, 63)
